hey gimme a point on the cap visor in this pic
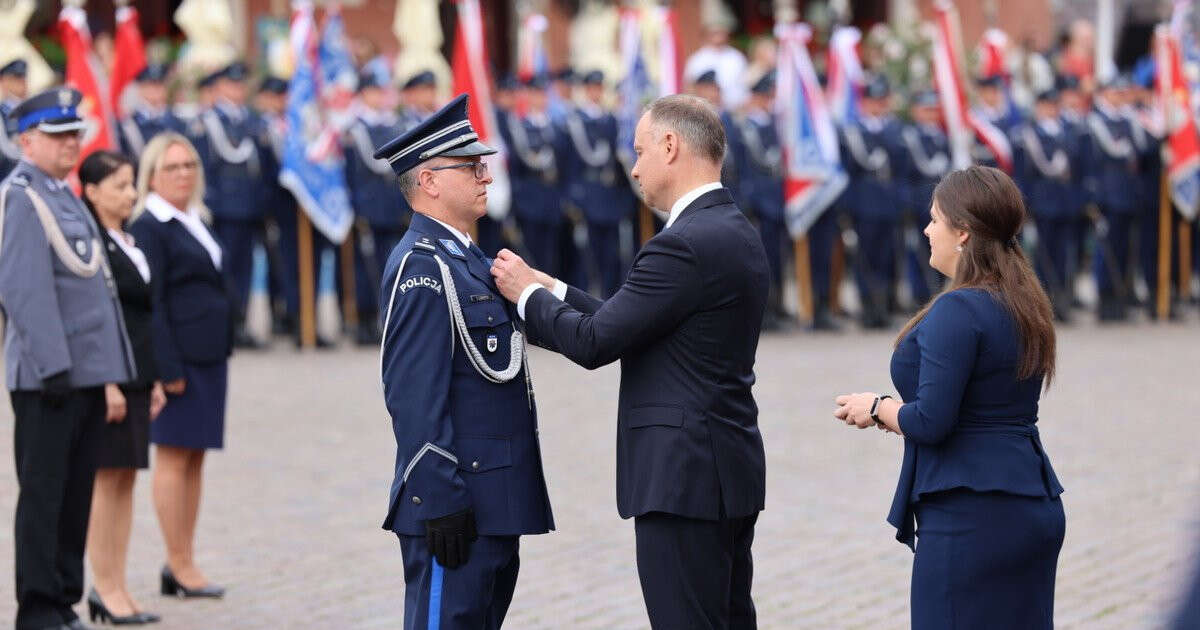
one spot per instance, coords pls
(468, 150)
(61, 126)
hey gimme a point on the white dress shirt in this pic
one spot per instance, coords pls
(164, 211)
(462, 238)
(125, 242)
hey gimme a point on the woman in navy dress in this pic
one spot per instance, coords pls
(192, 340)
(977, 497)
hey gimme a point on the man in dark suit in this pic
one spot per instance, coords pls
(685, 325)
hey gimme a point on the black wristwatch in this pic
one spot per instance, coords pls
(875, 408)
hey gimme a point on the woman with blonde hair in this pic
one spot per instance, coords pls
(976, 493)
(192, 327)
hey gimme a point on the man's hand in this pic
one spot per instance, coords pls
(449, 538)
(513, 275)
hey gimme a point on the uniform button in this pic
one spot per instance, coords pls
(416, 500)
(489, 319)
(475, 465)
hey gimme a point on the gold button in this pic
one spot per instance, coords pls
(475, 465)
(416, 500)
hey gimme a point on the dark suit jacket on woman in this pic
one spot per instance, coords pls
(192, 319)
(137, 305)
(968, 421)
(685, 326)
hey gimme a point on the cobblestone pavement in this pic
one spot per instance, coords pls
(291, 512)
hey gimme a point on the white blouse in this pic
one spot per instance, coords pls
(127, 245)
(164, 211)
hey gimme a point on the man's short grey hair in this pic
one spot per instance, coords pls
(695, 121)
(408, 183)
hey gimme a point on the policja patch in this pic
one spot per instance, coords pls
(421, 281)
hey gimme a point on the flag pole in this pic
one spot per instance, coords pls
(1185, 258)
(804, 280)
(304, 251)
(1163, 305)
(349, 304)
(837, 271)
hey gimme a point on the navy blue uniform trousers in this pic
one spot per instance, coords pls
(696, 574)
(985, 561)
(473, 596)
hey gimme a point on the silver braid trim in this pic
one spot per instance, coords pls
(1119, 149)
(876, 161)
(1056, 167)
(596, 157)
(58, 242)
(366, 151)
(935, 166)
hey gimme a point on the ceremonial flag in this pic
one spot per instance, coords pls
(470, 70)
(1181, 151)
(961, 123)
(991, 52)
(813, 175)
(634, 90)
(670, 69)
(85, 74)
(845, 74)
(129, 54)
(339, 79)
(312, 166)
(1181, 21)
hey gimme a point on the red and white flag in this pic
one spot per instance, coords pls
(846, 76)
(85, 74)
(670, 65)
(1181, 151)
(961, 124)
(993, 49)
(470, 69)
(129, 55)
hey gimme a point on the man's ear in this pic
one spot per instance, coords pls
(425, 182)
(670, 143)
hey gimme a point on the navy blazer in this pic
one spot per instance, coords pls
(968, 421)
(193, 316)
(137, 308)
(685, 327)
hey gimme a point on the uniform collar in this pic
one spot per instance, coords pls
(686, 200)
(52, 183)
(162, 209)
(235, 112)
(378, 117)
(433, 227)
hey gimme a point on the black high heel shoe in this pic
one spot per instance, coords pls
(97, 610)
(171, 586)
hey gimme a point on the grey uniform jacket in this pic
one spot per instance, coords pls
(56, 291)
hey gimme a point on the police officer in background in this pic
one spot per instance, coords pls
(12, 91)
(758, 163)
(1074, 109)
(927, 156)
(1145, 116)
(418, 98)
(573, 237)
(152, 114)
(993, 107)
(280, 207)
(534, 155)
(233, 161)
(706, 87)
(490, 231)
(1046, 158)
(382, 213)
(597, 186)
(1113, 181)
(873, 157)
(64, 340)
(468, 472)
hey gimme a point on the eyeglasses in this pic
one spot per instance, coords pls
(481, 168)
(176, 167)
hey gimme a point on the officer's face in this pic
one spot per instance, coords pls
(926, 115)
(154, 93)
(232, 91)
(175, 176)
(55, 153)
(594, 92)
(459, 190)
(710, 92)
(943, 239)
(14, 86)
(1046, 109)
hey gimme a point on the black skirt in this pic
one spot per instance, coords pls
(126, 444)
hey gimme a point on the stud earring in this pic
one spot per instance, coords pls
(958, 248)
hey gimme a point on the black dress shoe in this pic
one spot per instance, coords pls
(171, 586)
(97, 611)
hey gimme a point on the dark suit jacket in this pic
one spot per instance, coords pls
(137, 306)
(685, 326)
(193, 317)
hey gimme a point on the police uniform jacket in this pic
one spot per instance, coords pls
(371, 182)
(56, 289)
(1045, 161)
(875, 163)
(596, 183)
(685, 326)
(1080, 137)
(10, 153)
(463, 440)
(927, 160)
(1112, 175)
(142, 125)
(534, 162)
(233, 169)
(759, 165)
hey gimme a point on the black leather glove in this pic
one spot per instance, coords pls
(450, 537)
(55, 388)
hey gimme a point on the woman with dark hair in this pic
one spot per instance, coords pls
(106, 179)
(976, 488)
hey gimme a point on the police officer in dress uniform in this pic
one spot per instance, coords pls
(152, 114)
(233, 168)
(706, 87)
(573, 237)
(1146, 119)
(1074, 109)
(874, 162)
(534, 161)
(993, 107)
(1114, 185)
(382, 213)
(64, 339)
(1046, 158)
(468, 472)
(759, 165)
(12, 91)
(419, 98)
(280, 205)
(928, 159)
(491, 232)
(597, 185)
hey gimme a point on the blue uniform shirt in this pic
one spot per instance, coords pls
(371, 182)
(142, 125)
(759, 165)
(233, 162)
(597, 184)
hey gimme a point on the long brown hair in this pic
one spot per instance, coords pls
(985, 203)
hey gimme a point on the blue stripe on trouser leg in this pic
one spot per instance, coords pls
(435, 597)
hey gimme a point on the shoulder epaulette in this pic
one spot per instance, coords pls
(424, 244)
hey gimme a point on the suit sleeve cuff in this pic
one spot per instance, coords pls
(560, 292)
